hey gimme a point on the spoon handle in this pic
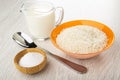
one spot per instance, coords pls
(75, 66)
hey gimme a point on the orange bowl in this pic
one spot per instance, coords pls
(100, 26)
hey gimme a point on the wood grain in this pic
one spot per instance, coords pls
(103, 67)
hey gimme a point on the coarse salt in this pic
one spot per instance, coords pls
(31, 59)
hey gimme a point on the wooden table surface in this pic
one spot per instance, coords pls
(103, 67)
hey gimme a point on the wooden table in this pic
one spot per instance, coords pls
(103, 67)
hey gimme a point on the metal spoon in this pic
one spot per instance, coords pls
(25, 41)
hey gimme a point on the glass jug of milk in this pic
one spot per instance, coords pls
(40, 17)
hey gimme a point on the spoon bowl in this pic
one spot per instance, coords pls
(23, 40)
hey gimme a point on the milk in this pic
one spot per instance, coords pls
(40, 19)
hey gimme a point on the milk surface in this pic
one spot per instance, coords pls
(40, 20)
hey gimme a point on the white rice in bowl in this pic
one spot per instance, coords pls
(82, 39)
